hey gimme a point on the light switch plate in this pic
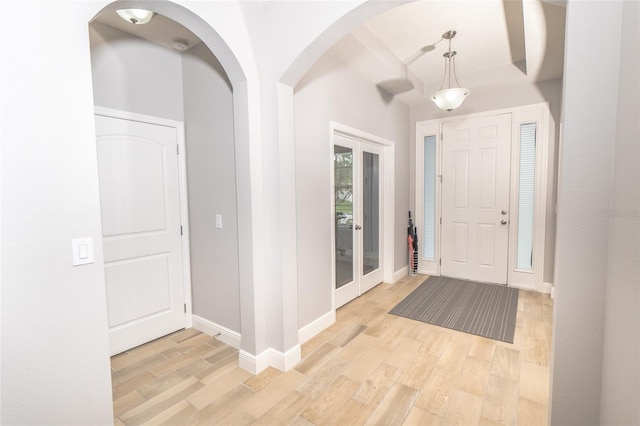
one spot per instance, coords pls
(218, 221)
(82, 251)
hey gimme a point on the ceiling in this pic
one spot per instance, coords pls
(160, 30)
(498, 42)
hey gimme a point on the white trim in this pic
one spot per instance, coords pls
(429, 267)
(536, 112)
(184, 220)
(184, 196)
(400, 273)
(428, 128)
(133, 116)
(269, 358)
(539, 114)
(230, 337)
(521, 286)
(314, 328)
(547, 288)
(388, 216)
(553, 292)
(388, 234)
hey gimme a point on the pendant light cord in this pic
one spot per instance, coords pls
(447, 68)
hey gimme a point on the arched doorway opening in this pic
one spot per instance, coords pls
(166, 74)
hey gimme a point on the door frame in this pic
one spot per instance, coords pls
(538, 113)
(182, 187)
(388, 188)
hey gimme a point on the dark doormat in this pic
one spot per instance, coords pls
(482, 309)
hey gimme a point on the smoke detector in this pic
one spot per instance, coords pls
(180, 45)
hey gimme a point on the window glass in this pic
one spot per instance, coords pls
(526, 196)
(429, 185)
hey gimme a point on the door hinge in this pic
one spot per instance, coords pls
(440, 221)
(180, 229)
(178, 149)
(185, 308)
(440, 262)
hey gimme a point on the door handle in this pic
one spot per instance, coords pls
(503, 212)
(358, 227)
(504, 222)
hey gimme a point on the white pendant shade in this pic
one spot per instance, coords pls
(450, 99)
(135, 16)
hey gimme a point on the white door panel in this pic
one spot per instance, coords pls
(140, 204)
(475, 192)
(133, 194)
(146, 276)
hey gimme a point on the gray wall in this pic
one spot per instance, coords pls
(331, 92)
(621, 362)
(208, 112)
(506, 96)
(590, 279)
(132, 74)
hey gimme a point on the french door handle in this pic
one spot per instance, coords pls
(503, 212)
(504, 222)
(358, 227)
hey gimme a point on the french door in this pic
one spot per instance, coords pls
(358, 197)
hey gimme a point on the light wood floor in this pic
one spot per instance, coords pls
(368, 368)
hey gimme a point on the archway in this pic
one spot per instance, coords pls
(239, 105)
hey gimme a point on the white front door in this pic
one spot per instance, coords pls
(358, 199)
(140, 204)
(475, 198)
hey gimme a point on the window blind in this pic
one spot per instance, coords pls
(526, 196)
(429, 188)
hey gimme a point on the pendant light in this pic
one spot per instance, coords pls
(452, 97)
(135, 16)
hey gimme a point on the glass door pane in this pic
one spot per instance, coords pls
(370, 212)
(343, 191)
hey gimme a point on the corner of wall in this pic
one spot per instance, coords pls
(310, 330)
(283, 361)
(225, 335)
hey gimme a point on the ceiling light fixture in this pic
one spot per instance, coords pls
(136, 16)
(451, 97)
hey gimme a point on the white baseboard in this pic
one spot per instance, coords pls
(547, 288)
(400, 273)
(553, 292)
(315, 327)
(227, 336)
(254, 364)
(522, 286)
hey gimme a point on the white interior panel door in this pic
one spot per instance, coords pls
(140, 203)
(475, 198)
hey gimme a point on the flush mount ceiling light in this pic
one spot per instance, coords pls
(452, 97)
(135, 16)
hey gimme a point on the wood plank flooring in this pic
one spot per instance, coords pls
(367, 368)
